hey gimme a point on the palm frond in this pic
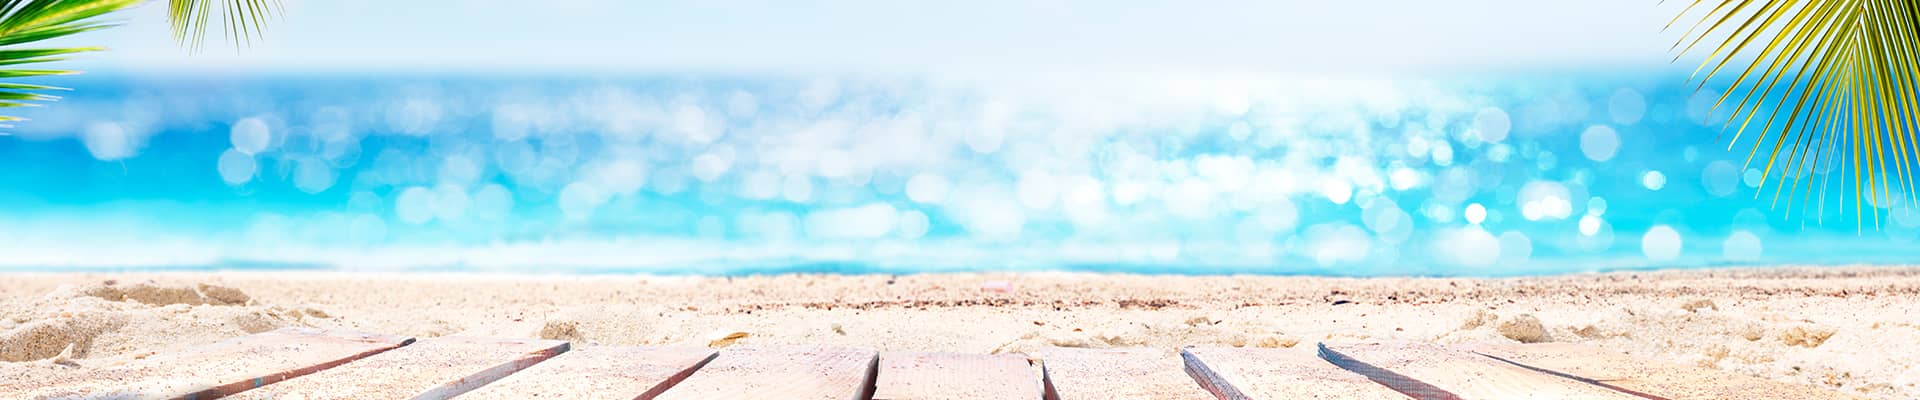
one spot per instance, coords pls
(1835, 84)
(24, 22)
(243, 20)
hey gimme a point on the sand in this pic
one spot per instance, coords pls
(1853, 329)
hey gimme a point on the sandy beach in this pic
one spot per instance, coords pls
(1850, 329)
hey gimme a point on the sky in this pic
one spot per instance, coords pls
(992, 36)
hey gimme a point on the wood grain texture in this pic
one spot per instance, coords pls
(1431, 371)
(214, 370)
(431, 369)
(1649, 378)
(1277, 374)
(599, 373)
(781, 373)
(949, 376)
(1116, 374)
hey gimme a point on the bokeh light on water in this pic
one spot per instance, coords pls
(726, 175)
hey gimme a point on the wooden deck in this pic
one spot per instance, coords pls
(312, 364)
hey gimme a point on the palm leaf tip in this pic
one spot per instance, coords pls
(1813, 83)
(25, 22)
(243, 21)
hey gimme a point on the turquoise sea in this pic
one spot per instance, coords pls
(711, 174)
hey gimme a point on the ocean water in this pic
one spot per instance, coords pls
(710, 174)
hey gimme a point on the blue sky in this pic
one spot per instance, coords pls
(1307, 37)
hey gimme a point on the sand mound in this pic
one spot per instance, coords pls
(1808, 337)
(1485, 326)
(222, 295)
(562, 330)
(160, 295)
(1478, 319)
(1524, 328)
(1696, 305)
(109, 318)
(44, 339)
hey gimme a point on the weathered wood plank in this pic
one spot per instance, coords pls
(214, 370)
(611, 373)
(1431, 371)
(1117, 374)
(432, 369)
(1276, 374)
(781, 373)
(1650, 378)
(949, 376)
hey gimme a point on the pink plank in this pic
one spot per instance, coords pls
(949, 376)
(1645, 377)
(1116, 374)
(609, 373)
(781, 373)
(432, 369)
(214, 370)
(1275, 374)
(1431, 371)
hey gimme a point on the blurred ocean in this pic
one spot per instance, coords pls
(677, 174)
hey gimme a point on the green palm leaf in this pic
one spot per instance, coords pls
(243, 20)
(23, 22)
(1812, 83)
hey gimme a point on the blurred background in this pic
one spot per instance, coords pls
(1478, 138)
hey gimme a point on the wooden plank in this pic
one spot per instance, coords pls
(1431, 371)
(1649, 378)
(781, 373)
(1118, 374)
(949, 376)
(214, 370)
(432, 369)
(622, 373)
(1276, 374)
